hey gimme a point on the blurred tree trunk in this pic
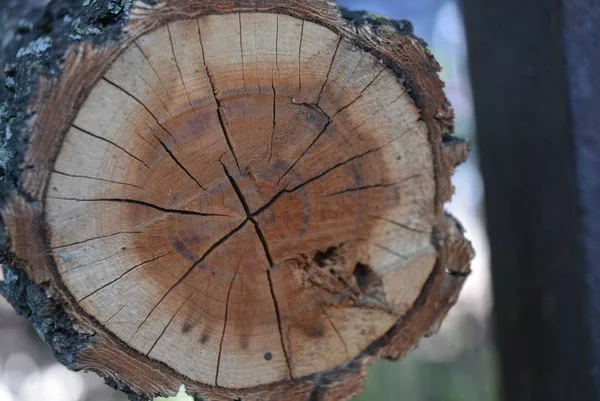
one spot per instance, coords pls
(536, 74)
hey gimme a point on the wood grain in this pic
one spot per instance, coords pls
(245, 199)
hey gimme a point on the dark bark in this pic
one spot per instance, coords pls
(17, 19)
(48, 319)
(536, 75)
(359, 18)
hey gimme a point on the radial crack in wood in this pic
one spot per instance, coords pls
(247, 199)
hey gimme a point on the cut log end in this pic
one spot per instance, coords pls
(244, 201)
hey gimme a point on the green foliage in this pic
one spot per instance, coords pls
(471, 376)
(181, 396)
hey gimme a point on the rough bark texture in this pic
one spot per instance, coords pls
(48, 79)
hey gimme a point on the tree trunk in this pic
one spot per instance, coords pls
(246, 198)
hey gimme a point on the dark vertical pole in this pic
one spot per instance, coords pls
(536, 73)
(582, 54)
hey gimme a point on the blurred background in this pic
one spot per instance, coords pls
(458, 364)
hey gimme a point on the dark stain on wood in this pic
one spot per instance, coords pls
(317, 333)
(183, 250)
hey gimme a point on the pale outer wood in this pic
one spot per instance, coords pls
(296, 115)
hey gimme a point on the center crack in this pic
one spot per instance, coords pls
(267, 252)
